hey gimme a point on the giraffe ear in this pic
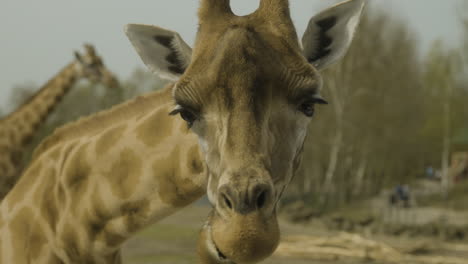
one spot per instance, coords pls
(78, 56)
(329, 34)
(163, 51)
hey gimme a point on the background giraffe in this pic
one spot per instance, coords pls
(17, 128)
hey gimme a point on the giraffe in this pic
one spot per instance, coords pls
(17, 128)
(231, 125)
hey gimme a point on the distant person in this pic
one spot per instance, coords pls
(401, 194)
(405, 196)
(430, 173)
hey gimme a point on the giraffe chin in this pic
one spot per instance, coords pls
(240, 239)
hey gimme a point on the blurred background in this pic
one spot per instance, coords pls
(387, 160)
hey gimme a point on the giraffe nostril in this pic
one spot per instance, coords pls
(244, 200)
(261, 199)
(226, 201)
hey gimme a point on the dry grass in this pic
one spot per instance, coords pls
(173, 241)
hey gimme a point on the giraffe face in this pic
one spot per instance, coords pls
(91, 67)
(248, 90)
(250, 106)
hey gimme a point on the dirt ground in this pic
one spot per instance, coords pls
(173, 240)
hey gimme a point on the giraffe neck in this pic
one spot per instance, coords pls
(23, 122)
(100, 180)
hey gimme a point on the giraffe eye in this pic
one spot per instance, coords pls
(186, 114)
(308, 108)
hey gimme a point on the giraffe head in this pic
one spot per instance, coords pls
(91, 66)
(248, 90)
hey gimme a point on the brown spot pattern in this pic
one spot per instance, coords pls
(106, 140)
(37, 241)
(24, 185)
(48, 204)
(114, 239)
(174, 188)
(53, 259)
(125, 174)
(77, 173)
(155, 128)
(70, 238)
(95, 226)
(20, 226)
(27, 117)
(96, 216)
(136, 214)
(195, 163)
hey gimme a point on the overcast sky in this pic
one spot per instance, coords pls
(38, 37)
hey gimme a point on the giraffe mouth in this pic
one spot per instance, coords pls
(221, 256)
(215, 250)
(240, 239)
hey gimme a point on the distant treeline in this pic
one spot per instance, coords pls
(392, 114)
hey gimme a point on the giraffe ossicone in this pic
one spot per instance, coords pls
(231, 124)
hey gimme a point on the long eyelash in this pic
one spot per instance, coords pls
(176, 110)
(320, 101)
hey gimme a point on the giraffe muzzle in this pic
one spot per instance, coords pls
(242, 227)
(238, 239)
(233, 200)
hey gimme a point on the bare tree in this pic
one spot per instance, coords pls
(440, 78)
(366, 138)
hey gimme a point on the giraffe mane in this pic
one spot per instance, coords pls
(92, 123)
